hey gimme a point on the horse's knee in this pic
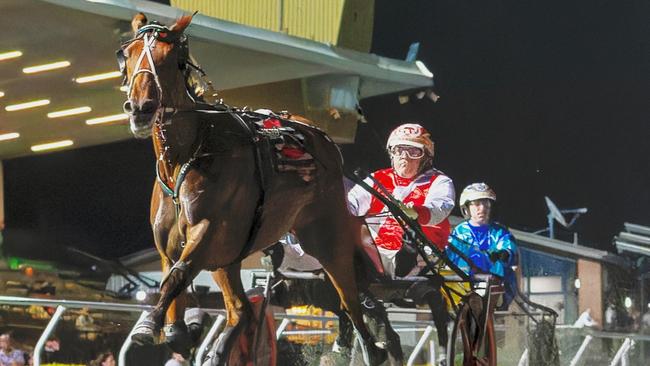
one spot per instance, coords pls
(176, 277)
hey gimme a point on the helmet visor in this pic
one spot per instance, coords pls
(412, 152)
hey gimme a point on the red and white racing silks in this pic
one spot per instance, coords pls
(431, 194)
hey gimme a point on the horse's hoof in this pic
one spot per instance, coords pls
(141, 339)
(143, 333)
(178, 339)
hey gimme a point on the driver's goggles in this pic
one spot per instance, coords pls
(411, 151)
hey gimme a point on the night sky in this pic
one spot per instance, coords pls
(537, 98)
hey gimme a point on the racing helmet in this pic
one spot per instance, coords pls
(475, 191)
(411, 134)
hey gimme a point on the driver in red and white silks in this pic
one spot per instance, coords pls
(426, 193)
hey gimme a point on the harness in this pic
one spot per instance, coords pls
(261, 138)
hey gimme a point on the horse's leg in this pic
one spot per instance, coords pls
(163, 219)
(238, 313)
(177, 334)
(329, 241)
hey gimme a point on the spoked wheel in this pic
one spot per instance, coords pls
(472, 341)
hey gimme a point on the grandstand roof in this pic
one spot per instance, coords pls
(87, 33)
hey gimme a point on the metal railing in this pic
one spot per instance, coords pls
(61, 307)
(427, 329)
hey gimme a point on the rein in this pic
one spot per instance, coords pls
(150, 34)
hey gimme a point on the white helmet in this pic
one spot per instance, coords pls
(411, 134)
(475, 191)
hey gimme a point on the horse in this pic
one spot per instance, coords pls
(218, 197)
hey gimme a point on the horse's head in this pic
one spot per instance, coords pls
(154, 64)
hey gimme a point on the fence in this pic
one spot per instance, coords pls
(627, 353)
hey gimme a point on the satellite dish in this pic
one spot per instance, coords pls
(554, 212)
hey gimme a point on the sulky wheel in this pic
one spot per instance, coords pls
(469, 344)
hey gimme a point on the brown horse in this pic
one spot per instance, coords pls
(217, 199)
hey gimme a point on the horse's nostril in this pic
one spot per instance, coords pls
(148, 106)
(127, 107)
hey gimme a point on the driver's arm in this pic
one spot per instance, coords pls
(359, 199)
(506, 249)
(438, 203)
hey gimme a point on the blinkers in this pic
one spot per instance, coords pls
(162, 34)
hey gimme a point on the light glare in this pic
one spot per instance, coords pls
(9, 55)
(69, 112)
(140, 295)
(26, 105)
(52, 145)
(46, 67)
(98, 77)
(106, 119)
(9, 136)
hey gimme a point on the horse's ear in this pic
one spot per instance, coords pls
(182, 23)
(139, 21)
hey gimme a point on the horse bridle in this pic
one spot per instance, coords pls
(150, 34)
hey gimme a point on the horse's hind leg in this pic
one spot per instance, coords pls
(332, 245)
(239, 315)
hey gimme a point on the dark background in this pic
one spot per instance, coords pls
(537, 98)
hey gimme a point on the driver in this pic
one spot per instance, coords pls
(426, 195)
(489, 246)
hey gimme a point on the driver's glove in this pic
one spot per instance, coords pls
(500, 255)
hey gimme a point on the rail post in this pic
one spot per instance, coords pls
(46, 334)
(283, 325)
(581, 350)
(121, 359)
(523, 361)
(418, 347)
(216, 327)
(622, 355)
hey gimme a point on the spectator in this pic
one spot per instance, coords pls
(175, 360)
(645, 321)
(104, 359)
(585, 320)
(610, 317)
(8, 355)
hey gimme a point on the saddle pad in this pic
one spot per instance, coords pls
(289, 151)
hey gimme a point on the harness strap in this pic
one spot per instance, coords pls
(257, 222)
(180, 178)
(185, 168)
